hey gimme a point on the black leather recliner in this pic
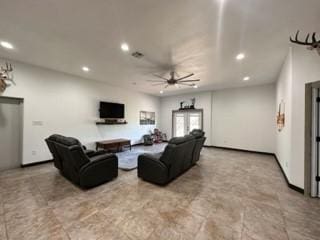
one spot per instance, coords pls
(84, 168)
(51, 145)
(178, 156)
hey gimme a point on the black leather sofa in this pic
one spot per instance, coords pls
(85, 168)
(180, 154)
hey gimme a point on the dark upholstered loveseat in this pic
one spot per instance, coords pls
(180, 154)
(85, 168)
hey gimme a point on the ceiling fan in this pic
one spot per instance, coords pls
(173, 81)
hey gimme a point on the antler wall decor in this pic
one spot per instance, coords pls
(311, 45)
(6, 78)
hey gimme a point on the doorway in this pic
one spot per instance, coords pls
(11, 113)
(184, 121)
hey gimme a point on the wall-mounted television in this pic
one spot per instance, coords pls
(111, 110)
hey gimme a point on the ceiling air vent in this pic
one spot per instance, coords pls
(137, 54)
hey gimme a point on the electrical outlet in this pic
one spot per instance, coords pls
(34, 153)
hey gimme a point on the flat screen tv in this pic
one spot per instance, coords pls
(111, 110)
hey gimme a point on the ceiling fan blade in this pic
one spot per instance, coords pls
(166, 86)
(156, 75)
(190, 80)
(186, 84)
(189, 75)
(156, 81)
(157, 84)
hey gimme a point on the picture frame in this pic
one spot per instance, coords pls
(147, 118)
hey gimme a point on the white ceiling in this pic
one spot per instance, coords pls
(199, 36)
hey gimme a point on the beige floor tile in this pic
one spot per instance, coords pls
(138, 225)
(224, 196)
(299, 236)
(303, 222)
(3, 232)
(170, 233)
(212, 229)
(70, 214)
(260, 229)
(41, 225)
(93, 227)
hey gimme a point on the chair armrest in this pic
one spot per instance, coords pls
(152, 156)
(89, 152)
(102, 156)
(99, 170)
(151, 169)
(96, 153)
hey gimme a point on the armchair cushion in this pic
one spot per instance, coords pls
(96, 153)
(154, 156)
(88, 152)
(98, 157)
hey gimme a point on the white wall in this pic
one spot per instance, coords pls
(306, 69)
(241, 118)
(68, 105)
(302, 66)
(284, 93)
(244, 118)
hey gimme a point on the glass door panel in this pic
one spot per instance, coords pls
(179, 125)
(194, 120)
(186, 121)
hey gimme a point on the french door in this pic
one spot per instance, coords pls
(315, 158)
(185, 121)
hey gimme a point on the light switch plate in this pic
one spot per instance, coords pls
(37, 123)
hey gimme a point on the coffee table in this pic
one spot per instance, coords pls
(113, 143)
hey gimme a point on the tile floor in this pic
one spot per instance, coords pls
(228, 195)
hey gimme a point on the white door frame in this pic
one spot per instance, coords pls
(309, 136)
(185, 111)
(315, 151)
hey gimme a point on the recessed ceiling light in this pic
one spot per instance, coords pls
(195, 86)
(85, 69)
(161, 92)
(125, 47)
(240, 56)
(247, 78)
(6, 45)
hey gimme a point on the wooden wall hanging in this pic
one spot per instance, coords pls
(281, 116)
